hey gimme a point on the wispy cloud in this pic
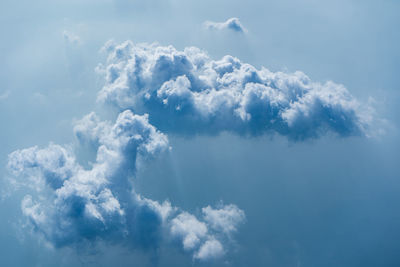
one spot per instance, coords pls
(70, 205)
(233, 24)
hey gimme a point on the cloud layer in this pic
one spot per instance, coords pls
(232, 24)
(180, 92)
(188, 92)
(70, 205)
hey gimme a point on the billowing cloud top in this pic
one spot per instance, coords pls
(71, 205)
(232, 24)
(188, 92)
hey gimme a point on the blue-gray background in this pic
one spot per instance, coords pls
(327, 202)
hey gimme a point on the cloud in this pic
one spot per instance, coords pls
(189, 229)
(69, 205)
(187, 92)
(232, 24)
(204, 237)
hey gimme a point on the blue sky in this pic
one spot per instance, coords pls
(260, 165)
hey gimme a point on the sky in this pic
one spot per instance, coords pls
(271, 136)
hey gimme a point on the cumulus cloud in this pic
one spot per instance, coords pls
(204, 237)
(189, 229)
(232, 24)
(190, 93)
(70, 205)
(225, 219)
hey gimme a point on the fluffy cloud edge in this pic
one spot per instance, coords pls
(232, 24)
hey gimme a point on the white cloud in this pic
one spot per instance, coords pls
(211, 249)
(191, 230)
(204, 237)
(224, 219)
(203, 95)
(84, 204)
(232, 24)
(69, 205)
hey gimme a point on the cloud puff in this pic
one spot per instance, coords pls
(224, 219)
(230, 24)
(187, 92)
(70, 205)
(189, 229)
(205, 237)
